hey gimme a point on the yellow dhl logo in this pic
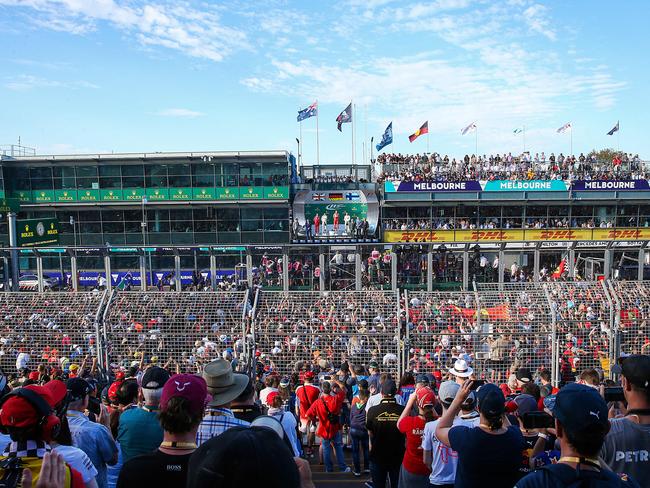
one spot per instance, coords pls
(425, 236)
(489, 235)
(624, 234)
(555, 235)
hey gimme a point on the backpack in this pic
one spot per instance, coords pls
(332, 418)
(584, 478)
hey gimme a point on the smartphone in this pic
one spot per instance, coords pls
(327, 378)
(614, 394)
(476, 384)
(538, 420)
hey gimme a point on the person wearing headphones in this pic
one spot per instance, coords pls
(27, 415)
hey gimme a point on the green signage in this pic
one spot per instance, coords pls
(227, 193)
(180, 193)
(132, 194)
(203, 194)
(9, 205)
(251, 192)
(276, 192)
(64, 196)
(112, 195)
(157, 194)
(43, 196)
(37, 232)
(88, 195)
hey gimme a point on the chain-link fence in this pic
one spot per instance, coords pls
(327, 328)
(183, 330)
(633, 312)
(55, 328)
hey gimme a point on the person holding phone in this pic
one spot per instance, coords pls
(491, 451)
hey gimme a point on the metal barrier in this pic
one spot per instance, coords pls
(331, 327)
(182, 329)
(56, 328)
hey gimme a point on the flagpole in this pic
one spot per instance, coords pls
(365, 131)
(524, 138)
(571, 151)
(618, 136)
(353, 121)
(317, 137)
(476, 141)
(427, 140)
(300, 145)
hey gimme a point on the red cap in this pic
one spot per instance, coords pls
(437, 375)
(119, 375)
(189, 386)
(309, 375)
(19, 412)
(112, 390)
(34, 375)
(270, 397)
(426, 397)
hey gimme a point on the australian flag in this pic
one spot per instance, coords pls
(310, 111)
(614, 129)
(344, 117)
(387, 138)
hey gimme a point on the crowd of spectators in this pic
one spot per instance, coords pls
(525, 166)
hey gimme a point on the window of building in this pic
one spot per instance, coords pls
(87, 177)
(179, 175)
(155, 176)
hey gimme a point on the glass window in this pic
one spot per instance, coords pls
(41, 178)
(64, 177)
(179, 175)
(86, 176)
(276, 213)
(112, 215)
(248, 172)
(110, 176)
(19, 179)
(202, 175)
(155, 176)
(132, 170)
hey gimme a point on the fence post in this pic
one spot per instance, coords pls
(74, 278)
(641, 269)
(39, 272)
(357, 270)
(429, 269)
(608, 263)
(502, 267)
(177, 272)
(285, 270)
(404, 341)
(107, 270)
(536, 260)
(465, 268)
(249, 269)
(321, 276)
(572, 262)
(614, 323)
(555, 358)
(213, 272)
(143, 273)
(393, 271)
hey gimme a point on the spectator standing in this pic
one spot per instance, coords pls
(95, 439)
(182, 403)
(224, 386)
(491, 451)
(139, 431)
(581, 425)
(306, 395)
(286, 419)
(461, 371)
(358, 431)
(244, 407)
(386, 441)
(414, 473)
(327, 411)
(626, 447)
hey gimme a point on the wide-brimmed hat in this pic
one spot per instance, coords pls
(461, 369)
(223, 384)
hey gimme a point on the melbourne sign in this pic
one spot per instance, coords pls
(37, 232)
(474, 186)
(610, 185)
(451, 186)
(525, 185)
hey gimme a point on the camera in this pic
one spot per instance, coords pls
(538, 420)
(476, 384)
(94, 405)
(614, 394)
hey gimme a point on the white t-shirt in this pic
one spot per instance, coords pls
(445, 459)
(79, 460)
(22, 360)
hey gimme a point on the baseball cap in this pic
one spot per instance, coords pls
(34, 375)
(74, 367)
(284, 382)
(77, 388)
(579, 407)
(19, 412)
(309, 375)
(422, 378)
(425, 397)
(525, 403)
(470, 401)
(189, 386)
(636, 370)
(491, 401)
(154, 378)
(388, 387)
(524, 375)
(270, 397)
(373, 364)
(447, 392)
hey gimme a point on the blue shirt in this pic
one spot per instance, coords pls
(95, 440)
(139, 432)
(216, 421)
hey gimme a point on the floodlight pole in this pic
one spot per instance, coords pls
(13, 243)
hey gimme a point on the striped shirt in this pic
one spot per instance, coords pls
(216, 421)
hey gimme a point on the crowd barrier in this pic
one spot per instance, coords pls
(563, 326)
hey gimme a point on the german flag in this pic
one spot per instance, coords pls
(422, 130)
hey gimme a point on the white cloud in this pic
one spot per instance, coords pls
(180, 112)
(537, 20)
(29, 82)
(197, 32)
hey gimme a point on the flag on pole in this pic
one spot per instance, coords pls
(469, 128)
(564, 128)
(424, 129)
(614, 129)
(517, 131)
(386, 139)
(344, 117)
(310, 111)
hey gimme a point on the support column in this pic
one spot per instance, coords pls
(249, 270)
(321, 277)
(430, 270)
(107, 270)
(502, 268)
(213, 272)
(641, 268)
(465, 268)
(357, 270)
(285, 271)
(177, 272)
(609, 254)
(74, 275)
(393, 271)
(536, 264)
(7, 273)
(39, 273)
(13, 242)
(143, 273)
(572, 263)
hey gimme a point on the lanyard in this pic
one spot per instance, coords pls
(580, 460)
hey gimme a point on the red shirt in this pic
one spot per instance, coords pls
(326, 429)
(413, 428)
(307, 394)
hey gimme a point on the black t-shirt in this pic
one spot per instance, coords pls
(562, 475)
(388, 443)
(155, 469)
(483, 456)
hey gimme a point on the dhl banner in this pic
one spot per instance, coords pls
(517, 235)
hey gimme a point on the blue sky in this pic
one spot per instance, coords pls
(140, 75)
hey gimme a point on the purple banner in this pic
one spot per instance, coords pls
(438, 186)
(610, 185)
